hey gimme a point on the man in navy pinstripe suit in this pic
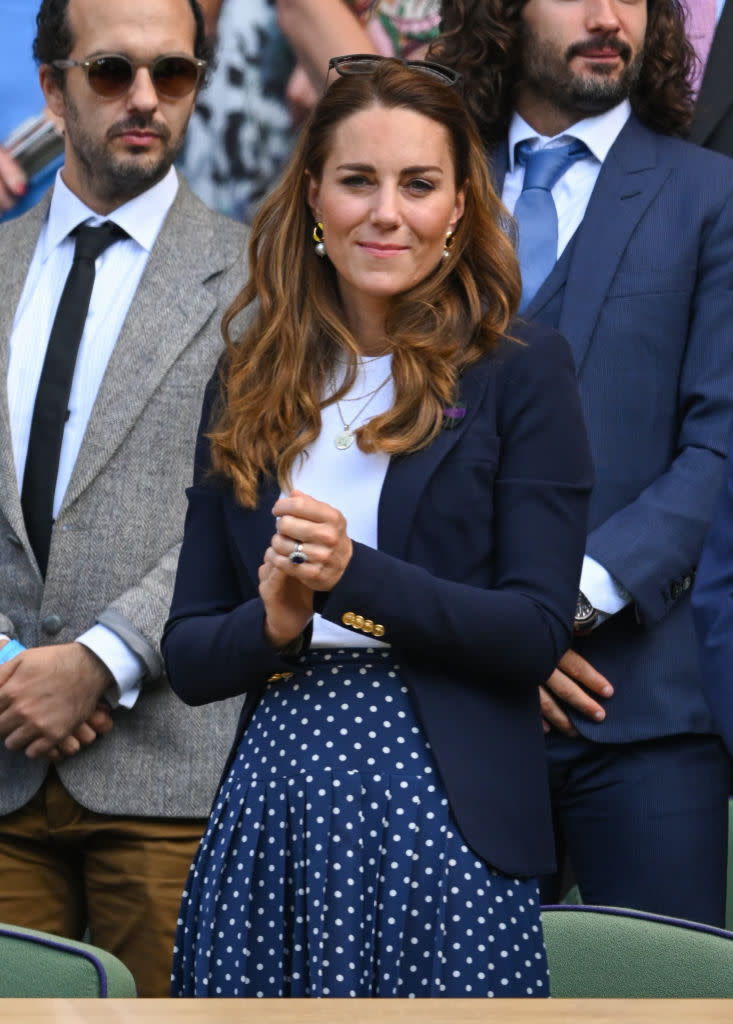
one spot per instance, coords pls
(642, 287)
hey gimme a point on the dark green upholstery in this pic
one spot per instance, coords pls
(37, 964)
(602, 952)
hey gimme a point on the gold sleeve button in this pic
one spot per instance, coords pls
(348, 618)
(378, 630)
(368, 626)
(358, 622)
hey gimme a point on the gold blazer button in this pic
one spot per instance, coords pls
(348, 618)
(368, 626)
(378, 630)
(358, 622)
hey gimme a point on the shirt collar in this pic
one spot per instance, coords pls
(598, 133)
(141, 217)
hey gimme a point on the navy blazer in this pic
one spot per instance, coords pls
(481, 537)
(645, 298)
(712, 603)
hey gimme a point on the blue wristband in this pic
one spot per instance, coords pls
(11, 648)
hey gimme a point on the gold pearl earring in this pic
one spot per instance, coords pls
(320, 245)
(449, 239)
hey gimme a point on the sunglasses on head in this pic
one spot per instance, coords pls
(110, 75)
(367, 64)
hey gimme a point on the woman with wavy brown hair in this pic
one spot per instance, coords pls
(382, 552)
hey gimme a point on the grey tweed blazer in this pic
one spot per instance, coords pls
(115, 544)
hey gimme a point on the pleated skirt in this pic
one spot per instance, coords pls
(332, 866)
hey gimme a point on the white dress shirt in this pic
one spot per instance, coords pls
(118, 273)
(571, 195)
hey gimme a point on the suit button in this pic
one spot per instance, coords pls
(676, 590)
(15, 541)
(52, 625)
(687, 582)
(378, 629)
(368, 626)
(348, 618)
(358, 622)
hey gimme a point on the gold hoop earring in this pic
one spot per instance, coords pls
(447, 245)
(320, 245)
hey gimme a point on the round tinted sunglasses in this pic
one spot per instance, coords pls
(367, 64)
(110, 75)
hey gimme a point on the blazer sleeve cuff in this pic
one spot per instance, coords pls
(137, 643)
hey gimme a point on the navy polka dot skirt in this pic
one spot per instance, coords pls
(331, 864)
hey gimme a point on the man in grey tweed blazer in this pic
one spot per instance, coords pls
(101, 805)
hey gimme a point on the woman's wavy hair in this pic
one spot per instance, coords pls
(276, 370)
(483, 40)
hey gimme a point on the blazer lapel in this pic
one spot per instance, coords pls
(17, 244)
(716, 89)
(408, 476)
(629, 180)
(170, 307)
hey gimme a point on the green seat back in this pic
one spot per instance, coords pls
(604, 953)
(36, 964)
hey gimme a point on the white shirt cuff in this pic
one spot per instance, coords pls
(605, 593)
(124, 665)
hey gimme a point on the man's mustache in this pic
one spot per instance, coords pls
(600, 43)
(139, 124)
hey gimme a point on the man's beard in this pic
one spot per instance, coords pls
(118, 178)
(548, 73)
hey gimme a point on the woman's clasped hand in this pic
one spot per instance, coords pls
(317, 532)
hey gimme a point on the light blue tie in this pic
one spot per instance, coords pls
(535, 211)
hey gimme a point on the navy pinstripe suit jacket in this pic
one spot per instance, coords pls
(646, 302)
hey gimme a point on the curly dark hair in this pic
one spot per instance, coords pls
(54, 41)
(482, 40)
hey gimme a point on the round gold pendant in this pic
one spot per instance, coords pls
(344, 439)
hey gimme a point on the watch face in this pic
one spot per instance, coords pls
(585, 614)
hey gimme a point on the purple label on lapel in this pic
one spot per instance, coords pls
(452, 416)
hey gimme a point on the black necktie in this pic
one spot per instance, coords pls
(50, 411)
